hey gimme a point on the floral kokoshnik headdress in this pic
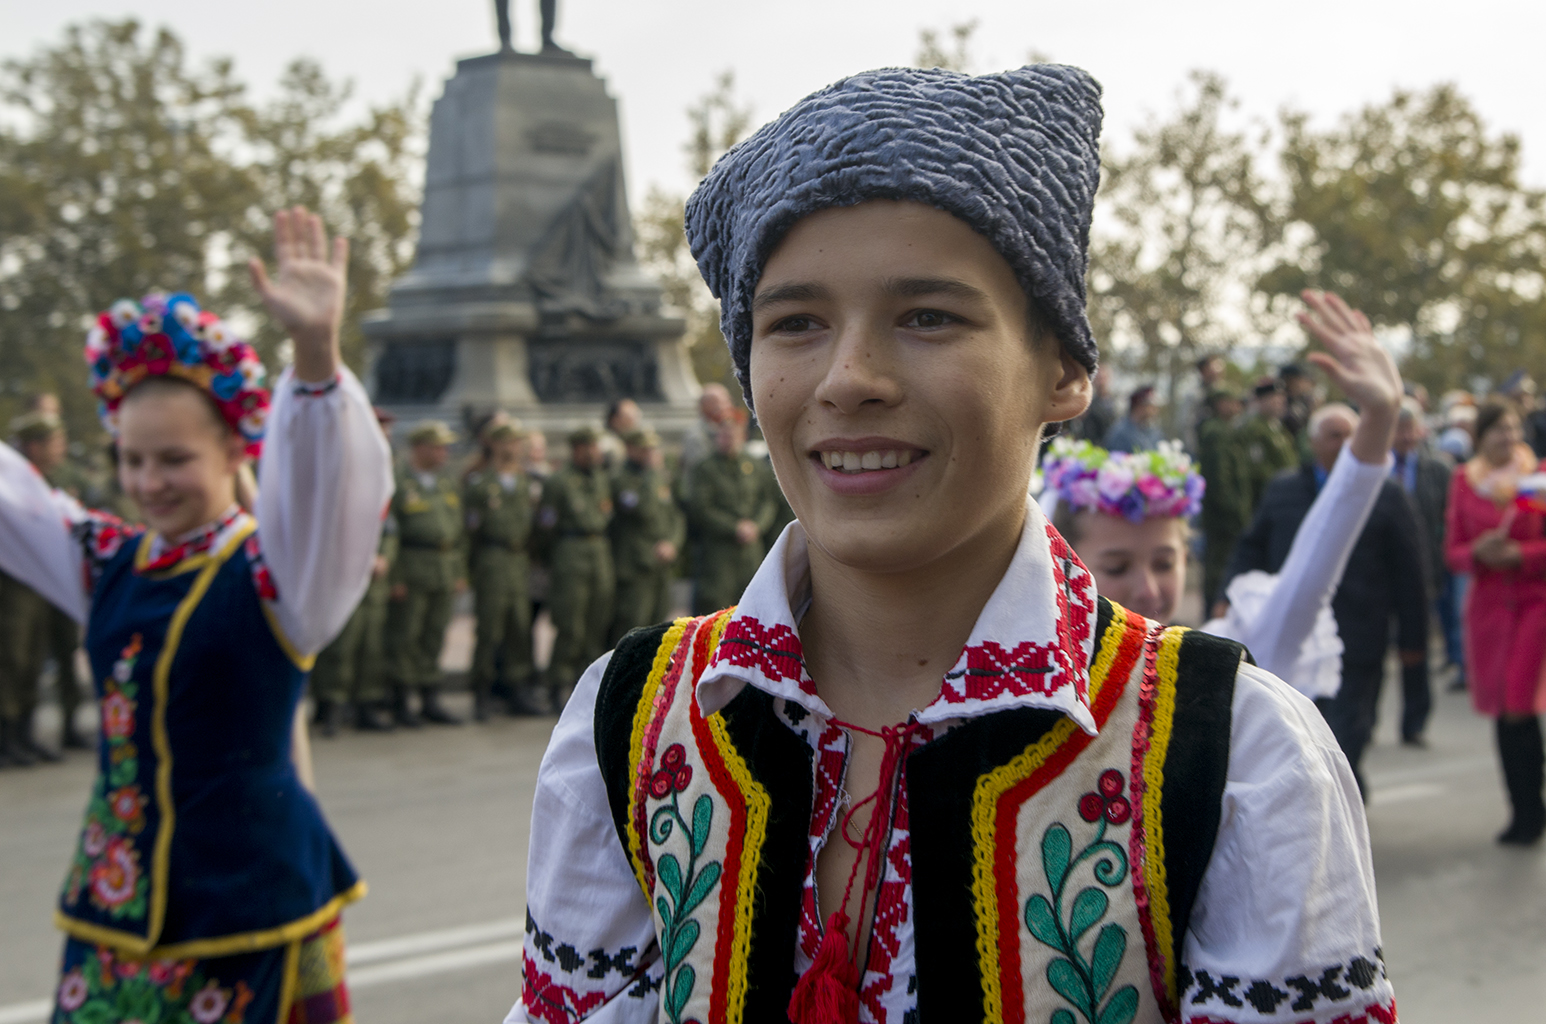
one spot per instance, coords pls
(170, 336)
(1136, 486)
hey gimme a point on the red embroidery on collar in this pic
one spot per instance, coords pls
(261, 577)
(774, 651)
(191, 546)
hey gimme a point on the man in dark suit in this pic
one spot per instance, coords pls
(1424, 475)
(1385, 577)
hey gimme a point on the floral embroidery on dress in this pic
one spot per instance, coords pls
(262, 579)
(101, 536)
(107, 865)
(1085, 980)
(163, 556)
(107, 988)
(687, 887)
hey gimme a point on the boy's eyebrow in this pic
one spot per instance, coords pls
(789, 293)
(916, 287)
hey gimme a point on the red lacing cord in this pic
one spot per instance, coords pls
(828, 993)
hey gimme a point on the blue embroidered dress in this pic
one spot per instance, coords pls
(197, 808)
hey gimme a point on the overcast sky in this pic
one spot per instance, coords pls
(658, 56)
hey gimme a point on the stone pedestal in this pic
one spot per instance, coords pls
(524, 294)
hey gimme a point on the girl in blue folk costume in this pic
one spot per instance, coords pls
(923, 771)
(206, 885)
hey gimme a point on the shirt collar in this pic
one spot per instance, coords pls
(1030, 647)
(167, 552)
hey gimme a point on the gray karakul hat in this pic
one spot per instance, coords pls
(1015, 155)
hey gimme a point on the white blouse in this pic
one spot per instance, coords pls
(1284, 619)
(1286, 907)
(325, 478)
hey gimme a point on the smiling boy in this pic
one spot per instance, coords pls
(923, 771)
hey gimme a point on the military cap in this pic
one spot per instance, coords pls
(1267, 386)
(431, 432)
(584, 435)
(641, 439)
(504, 430)
(1015, 155)
(1217, 395)
(35, 426)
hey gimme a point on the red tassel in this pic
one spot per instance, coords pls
(828, 993)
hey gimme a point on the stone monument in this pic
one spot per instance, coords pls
(524, 293)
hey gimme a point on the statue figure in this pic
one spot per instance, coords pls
(549, 12)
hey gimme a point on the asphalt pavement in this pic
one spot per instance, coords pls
(438, 822)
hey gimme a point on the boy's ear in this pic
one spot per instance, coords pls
(1070, 396)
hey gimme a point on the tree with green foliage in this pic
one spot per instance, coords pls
(719, 120)
(956, 54)
(1179, 217)
(125, 166)
(1413, 211)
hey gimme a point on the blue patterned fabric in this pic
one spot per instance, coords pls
(244, 846)
(1015, 155)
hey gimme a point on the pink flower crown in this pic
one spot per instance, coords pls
(1136, 486)
(170, 336)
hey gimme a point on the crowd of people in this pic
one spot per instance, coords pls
(1266, 453)
(595, 541)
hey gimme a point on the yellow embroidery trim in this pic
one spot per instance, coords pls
(304, 662)
(642, 715)
(287, 985)
(758, 804)
(225, 945)
(990, 788)
(1166, 665)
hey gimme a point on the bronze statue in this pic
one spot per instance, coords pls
(549, 12)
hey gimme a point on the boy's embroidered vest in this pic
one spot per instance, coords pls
(1053, 872)
(199, 839)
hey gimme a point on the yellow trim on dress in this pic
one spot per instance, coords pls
(304, 662)
(642, 715)
(990, 789)
(1167, 664)
(225, 945)
(287, 981)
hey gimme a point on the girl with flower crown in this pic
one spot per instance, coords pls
(1126, 517)
(205, 883)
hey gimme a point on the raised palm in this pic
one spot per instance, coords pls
(1353, 359)
(306, 294)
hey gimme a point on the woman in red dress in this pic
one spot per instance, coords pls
(1503, 546)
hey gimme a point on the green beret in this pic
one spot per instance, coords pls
(35, 426)
(641, 439)
(431, 432)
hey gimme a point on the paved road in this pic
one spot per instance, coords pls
(437, 821)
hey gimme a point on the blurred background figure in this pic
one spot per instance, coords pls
(1423, 474)
(1101, 416)
(1269, 448)
(498, 507)
(1226, 503)
(575, 511)
(647, 533)
(428, 573)
(623, 417)
(1385, 579)
(1501, 543)
(714, 404)
(1139, 430)
(1298, 402)
(352, 669)
(730, 510)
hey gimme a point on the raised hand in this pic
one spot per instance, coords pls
(1359, 366)
(306, 294)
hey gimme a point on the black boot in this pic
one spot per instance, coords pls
(326, 717)
(373, 716)
(402, 714)
(432, 710)
(1524, 771)
(525, 702)
(12, 751)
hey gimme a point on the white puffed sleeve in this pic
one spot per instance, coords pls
(1286, 927)
(1285, 619)
(324, 480)
(590, 950)
(37, 545)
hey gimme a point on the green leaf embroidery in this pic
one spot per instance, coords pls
(1061, 1016)
(702, 815)
(1066, 980)
(671, 875)
(1122, 1008)
(1110, 947)
(1089, 907)
(683, 942)
(685, 888)
(1039, 919)
(681, 990)
(1056, 847)
(706, 879)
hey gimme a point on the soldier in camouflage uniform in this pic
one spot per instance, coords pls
(352, 669)
(1226, 503)
(1268, 445)
(427, 575)
(647, 535)
(576, 508)
(498, 503)
(27, 630)
(729, 507)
